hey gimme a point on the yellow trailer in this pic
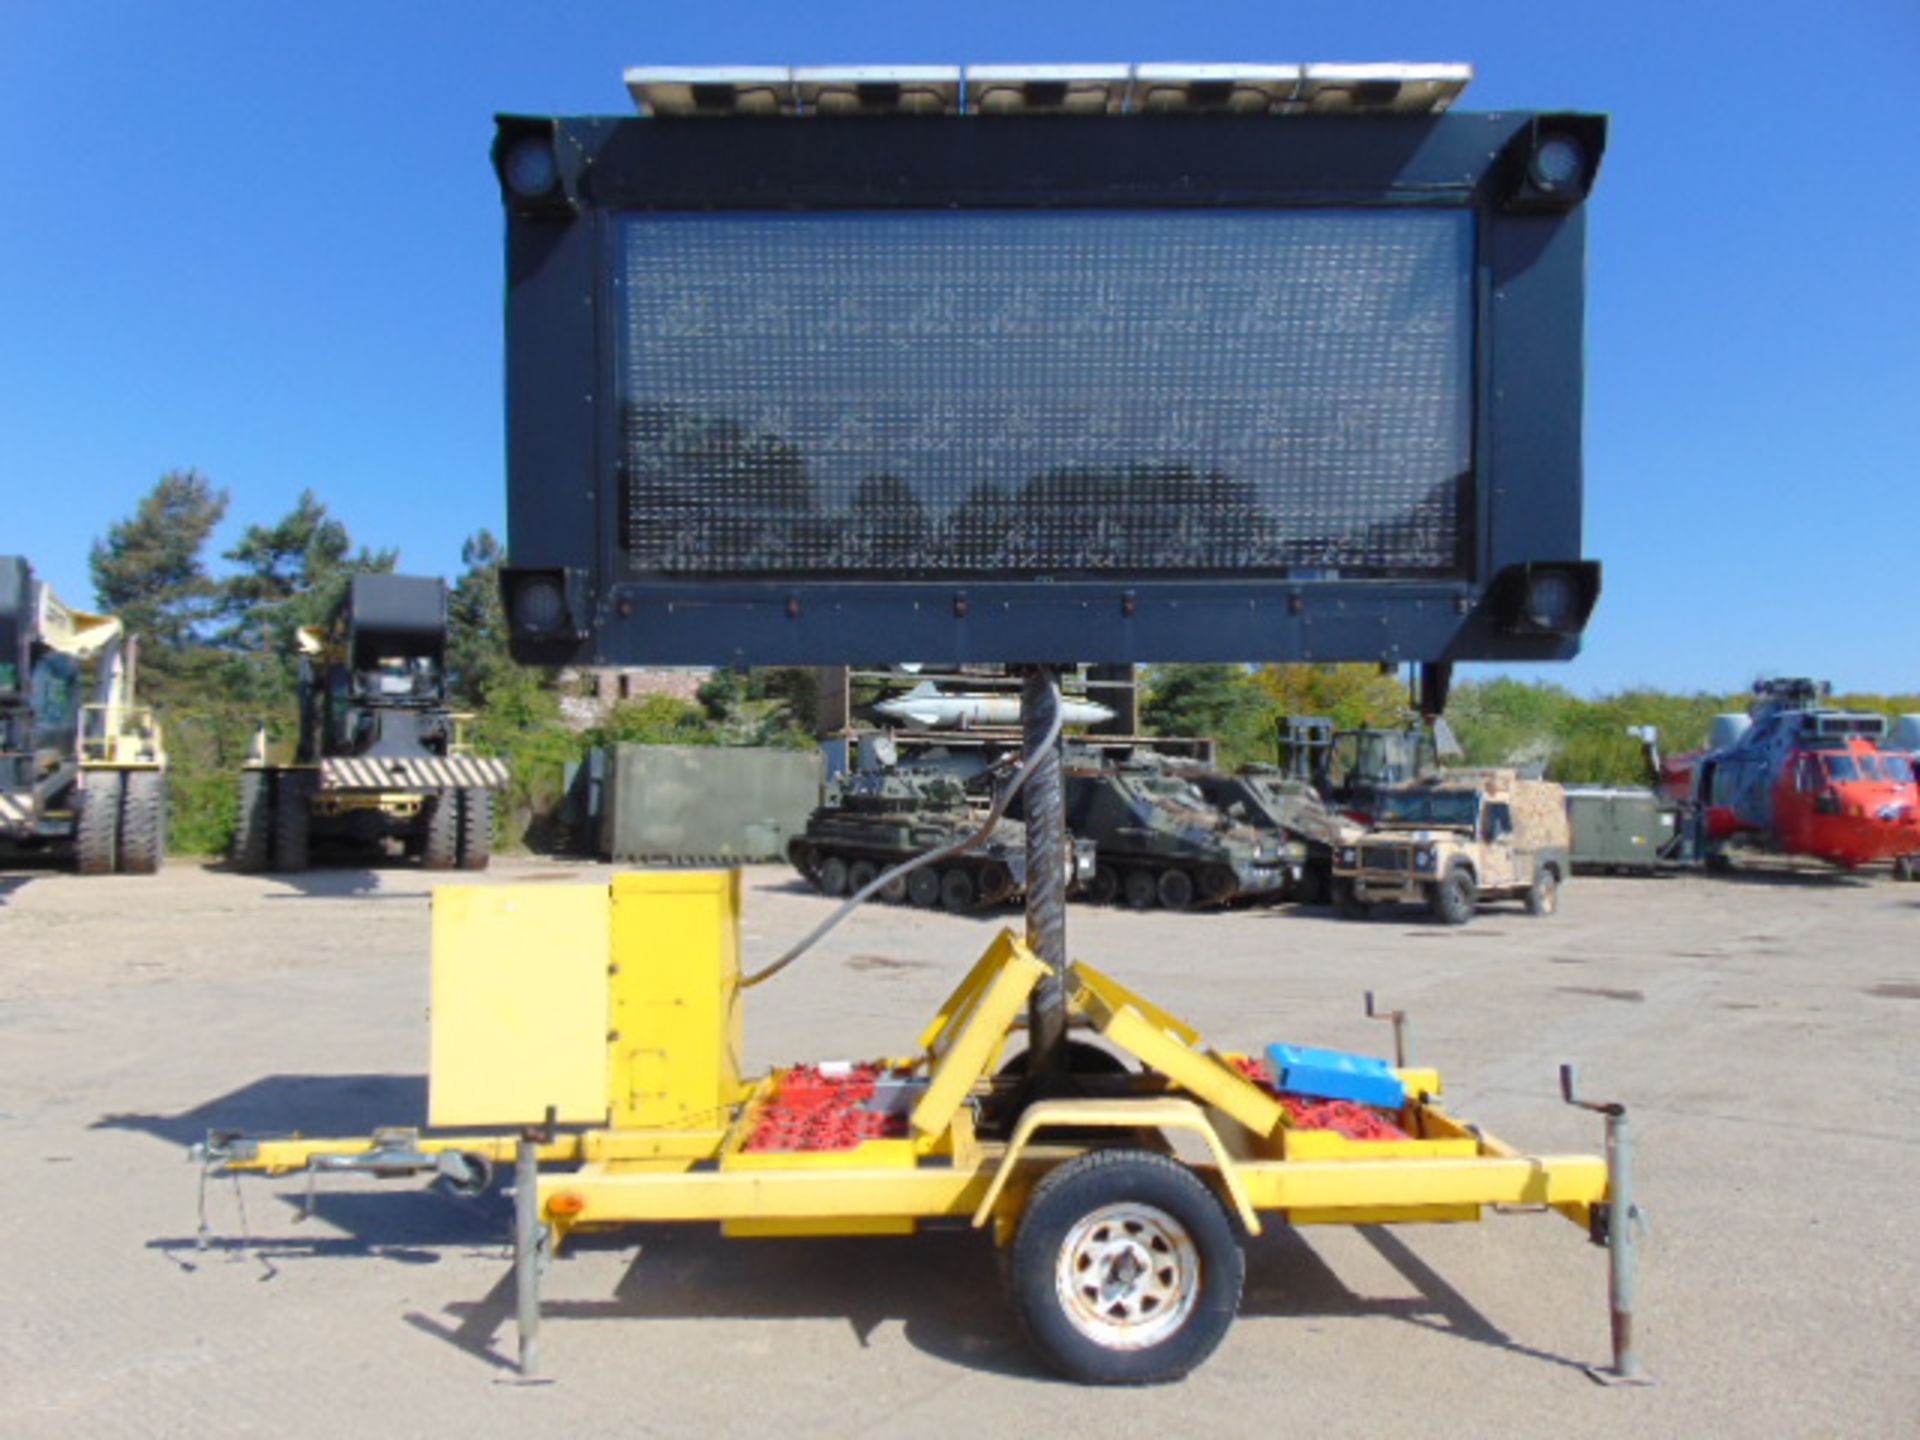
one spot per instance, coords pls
(591, 1036)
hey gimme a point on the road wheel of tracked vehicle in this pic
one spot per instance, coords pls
(1544, 897)
(1454, 897)
(1175, 889)
(143, 822)
(894, 892)
(1105, 886)
(440, 831)
(1126, 1270)
(861, 874)
(996, 883)
(253, 824)
(292, 825)
(476, 828)
(957, 891)
(923, 887)
(1142, 890)
(97, 837)
(1348, 902)
(1217, 884)
(832, 878)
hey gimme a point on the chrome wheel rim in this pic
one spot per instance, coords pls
(1128, 1276)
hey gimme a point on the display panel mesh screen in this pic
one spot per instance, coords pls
(1011, 394)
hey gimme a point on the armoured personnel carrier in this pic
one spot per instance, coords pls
(1270, 800)
(1457, 838)
(1160, 843)
(873, 820)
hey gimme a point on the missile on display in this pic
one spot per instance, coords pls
(928, 707)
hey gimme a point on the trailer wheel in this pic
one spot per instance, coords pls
(1126, 1269)
(292, 826)
(96, 841)
(861, 874)
(143, 822)
(253, 824)
(1544, 897)
(923, 887)
(1348, 902)
(1142, 890)
(1175, 889)
(1453, 899)
(957, 891)
(1105, 888)
(440, 831)
(476, 828)
(832, 878)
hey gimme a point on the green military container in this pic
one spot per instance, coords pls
(1621, 829)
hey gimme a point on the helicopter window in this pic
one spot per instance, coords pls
(1841, 768)
(1807, 775)
(1899, 769)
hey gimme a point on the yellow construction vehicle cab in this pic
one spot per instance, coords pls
(77, 775)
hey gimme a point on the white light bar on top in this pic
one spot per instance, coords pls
(1155, 89)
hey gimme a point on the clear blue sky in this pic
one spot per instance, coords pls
(263, 240)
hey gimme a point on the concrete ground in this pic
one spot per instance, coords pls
(1764, 1029)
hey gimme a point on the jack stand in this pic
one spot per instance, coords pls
(1622, 1241)
(532, 1243)
(1401, 1030)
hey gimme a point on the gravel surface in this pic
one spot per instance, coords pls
(1765, 1030)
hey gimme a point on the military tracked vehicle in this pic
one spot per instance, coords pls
(1290, 809)
(1160, 843)
(873, 820)
(380, 755)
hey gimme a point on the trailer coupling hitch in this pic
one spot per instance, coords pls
(1617, 1223)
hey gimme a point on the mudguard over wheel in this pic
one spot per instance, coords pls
(1544, 897)
(143, 822)
(440, 835)
(1126, 1269)
(253, 824)
(1454, 897)
(292, 826)
(476, 828)
(97, 836)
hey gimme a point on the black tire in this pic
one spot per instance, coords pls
(97, 833)
(292, 825)
(1717, 862)
(957, 891)
(1104, 1213)
(1544, 896)
(1104, 889)
(1454, 896)
(1141, 890)
(923, 887)
(861, 874)
(894, 892)
(440, 830)
(1218, 884)
(143, 822)
(997, 884)
(832, 878)
(253, 824)
(1349, 903)
(476, 828)
(1175, 889)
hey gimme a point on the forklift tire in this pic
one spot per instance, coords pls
(97, 834)
(1126, 1269)
(1349, 903)
(1454, 898)
(923, 887)
(476, 828)
(1142, 890)
(440, 831)
(1175, 889)
(253, 825)
(292, 826)
(143, 822)
(1544, 897)
(957, 891)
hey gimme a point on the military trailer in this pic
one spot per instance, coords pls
(1160, 843)
(1622, 829)
(1455, 839)
(873, 820)
(77, 777)
(380, 754)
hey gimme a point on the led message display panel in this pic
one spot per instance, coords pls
(1023, 394)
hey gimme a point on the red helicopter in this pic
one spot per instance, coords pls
(1797, 777)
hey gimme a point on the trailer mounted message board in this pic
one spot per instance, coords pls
(900, 379)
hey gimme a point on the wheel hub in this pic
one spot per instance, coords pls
(1128, 1276)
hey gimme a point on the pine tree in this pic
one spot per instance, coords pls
(292, 573)
(149, 569)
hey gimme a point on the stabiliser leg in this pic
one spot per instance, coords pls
(1622, 1239)
(532, 1242)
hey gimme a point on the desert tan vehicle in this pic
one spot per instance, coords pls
(1454, 839)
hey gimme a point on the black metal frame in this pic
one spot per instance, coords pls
(562, 405)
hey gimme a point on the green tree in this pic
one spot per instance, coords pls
(150, 570)
(1353, 696)
(292, 573)
(1221, 701)
(477, 655)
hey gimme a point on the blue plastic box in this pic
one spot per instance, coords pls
(1336, 1075)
